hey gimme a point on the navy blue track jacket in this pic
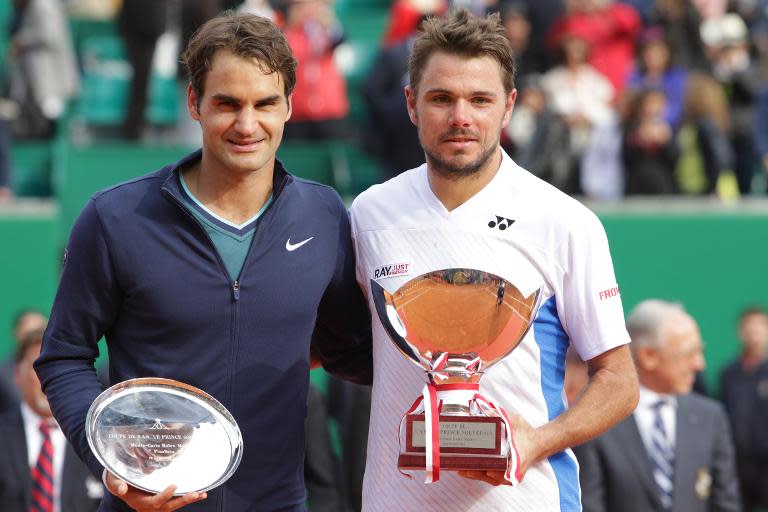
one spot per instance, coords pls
(141, 271)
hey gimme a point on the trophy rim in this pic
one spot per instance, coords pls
(380, 298)
(188, 391)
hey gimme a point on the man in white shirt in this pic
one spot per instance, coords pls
(55, 481)
(675, 453)
(471, 206)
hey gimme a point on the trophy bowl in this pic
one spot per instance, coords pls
(455, 324)
(154, 432)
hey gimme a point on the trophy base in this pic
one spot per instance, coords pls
(416, 462)
(467, 443)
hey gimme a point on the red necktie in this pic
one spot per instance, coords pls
(42, 474)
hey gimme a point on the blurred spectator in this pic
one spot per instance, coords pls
(536, 137)
(656, 70)
(675, 452)
(517, 25)
(610, 29)
(643, 7)
(579, 94)
(680, 21)
(93, 9)
(319, 102)
(5, 162)
(405, 17)
(141, 22)
(706, 158)
(760, 130)
(727, 50)
(25, 322)
(389, 134)
(744, 389)
(710, 9)
(543, 14)
(42, 67)
(602, 165)
(68, 486)
(476, 7)
(649, 150)
(259, 8)
(194, 13)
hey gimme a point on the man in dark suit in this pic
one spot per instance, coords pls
(744, 392)
(675, 453)
(71, 486)
(25, 321)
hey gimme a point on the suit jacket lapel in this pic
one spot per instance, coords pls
(686, 421)
(16, 445)
(633, 443)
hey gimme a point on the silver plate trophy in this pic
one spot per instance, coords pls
(154, 432)
(455, 324)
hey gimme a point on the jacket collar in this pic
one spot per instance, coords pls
(280, 177)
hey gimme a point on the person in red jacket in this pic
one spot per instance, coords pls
(319, 104)
(612, 27)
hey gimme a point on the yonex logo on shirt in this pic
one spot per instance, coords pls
(501, 222)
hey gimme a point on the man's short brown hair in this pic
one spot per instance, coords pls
(465, 35)
(245, 35)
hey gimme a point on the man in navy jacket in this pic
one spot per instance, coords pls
(221, 271)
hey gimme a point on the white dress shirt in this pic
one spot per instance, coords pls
(645, 415)
(34, 443)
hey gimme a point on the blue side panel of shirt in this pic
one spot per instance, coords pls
(553, 343)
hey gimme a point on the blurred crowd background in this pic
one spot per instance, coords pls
(654, 112)
(616, 98)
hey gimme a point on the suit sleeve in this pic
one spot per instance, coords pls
(86, 304)
(342, 336)
(591, 477)
(725, 481)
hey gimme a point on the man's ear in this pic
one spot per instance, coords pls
(289, 99)
(647, 358)
(192, 102)
(410, 101)
(511, 97)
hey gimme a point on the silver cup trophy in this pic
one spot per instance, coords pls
(455, 324)
(154, 432)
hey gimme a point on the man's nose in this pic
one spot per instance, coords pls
(699, 363)
(460, 114)
(246, 121)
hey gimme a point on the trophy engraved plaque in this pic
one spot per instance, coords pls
(455, 324)
(154, 432)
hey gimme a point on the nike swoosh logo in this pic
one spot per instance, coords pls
(292, 247)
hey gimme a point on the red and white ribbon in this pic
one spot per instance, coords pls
(512, 474)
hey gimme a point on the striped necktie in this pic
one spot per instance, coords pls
(662, 455)
(42, 474)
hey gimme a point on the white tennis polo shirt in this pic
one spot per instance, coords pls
(537, 238)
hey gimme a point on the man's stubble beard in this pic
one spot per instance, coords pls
(454, 172)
